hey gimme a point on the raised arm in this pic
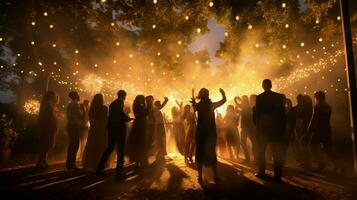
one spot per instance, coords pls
(222, 101)
(164, 103)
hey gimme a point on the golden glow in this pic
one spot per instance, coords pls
(32, 107)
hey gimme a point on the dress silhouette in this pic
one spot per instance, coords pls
(139, 141)
(206, 134)
(47, 127)
(98, 136)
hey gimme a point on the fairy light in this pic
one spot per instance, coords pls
(317, 21)
(112, 24)
(54, 45)
(32, 43)
(153, 26)
(159, 40)
(286, 25)
(95, 65)
(284, 46)
(117, 43)
(226, 33)
(1, 39)
(320, 39)
(45, 14)
(40, 63)
(250, 26)
(237, 17)
(33, 23)
(302, 44)
(257, 45)
(76, 51)
(131, 56)
(283, 5)
(154, 1)
(18, 55)
(158, 53)
(179, 42)
(198, 30)
(177, 55)
(338, 18)
(187, 17)
(196, 61)
(210, 4)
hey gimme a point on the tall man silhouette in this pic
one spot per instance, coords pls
(117, 120)
(269, 118)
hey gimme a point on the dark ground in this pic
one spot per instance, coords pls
(172, 180)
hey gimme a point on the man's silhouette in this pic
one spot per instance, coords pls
(117, 120)
(269, 117)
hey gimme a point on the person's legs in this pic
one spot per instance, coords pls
(73, 145)
(244, 136)
(277, 148)
(262, 144)
(120, 153)
(107, 152)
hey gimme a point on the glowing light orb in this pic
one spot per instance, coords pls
(45, 14)
(1, 39)
(320, 40)
(283, 5)
(153, 26)
(187, 18)
(338, 18)
(211, 4)
(54, 45)
(76, 51)
(302, 44)
(286, 25)
(317, 21)
(33, 23)
(32, 107)
(154, 1)
(32, 43)
(117, 43)
(237, 18)
(250, 26)
(198, 30)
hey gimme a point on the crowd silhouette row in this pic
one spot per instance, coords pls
(199, 131)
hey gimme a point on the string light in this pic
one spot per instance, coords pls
(317, 21)
(154, 1)
(179, 42)
(211, 4)
(153, 26)
(237, 18)
(76, 51)
(51, 26)
(302, 44)
(250, 26)
(283, 5)
(338, 18)
(117, 43)
(284, 46)
(320, 39)
(177, 55)
(286, 25)
(112, 24)
(45, 14)
(198, 30)
(33, 23)
(226, 33)
(54, 45)
(1, 39)
(32, 43)
(187, 17)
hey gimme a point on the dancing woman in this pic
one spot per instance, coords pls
(206, 135)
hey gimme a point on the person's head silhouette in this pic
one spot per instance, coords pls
(203, 94)
(121, 94)
(267, 85)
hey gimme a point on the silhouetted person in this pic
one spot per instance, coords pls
(85, 126)
(206, 135)
(160, 132)
(178, 130)
(221, 135)
(47, 125)
(189, 118)
(231, 121)
(321, 130)
(98, 136)
(303, 119)
(116, 125)
(252, 133)
(74, 129)
(138, 141)
(246, 123)
(270, 121)
(151, 120)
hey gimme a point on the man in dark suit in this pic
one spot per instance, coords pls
(117, 120)
(269, 118)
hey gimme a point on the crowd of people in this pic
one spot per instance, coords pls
(199, 131)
